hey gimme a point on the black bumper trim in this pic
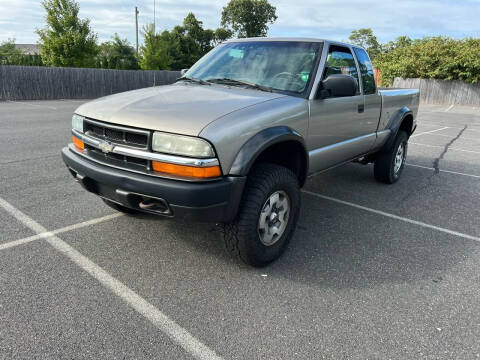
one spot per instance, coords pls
(215, 201)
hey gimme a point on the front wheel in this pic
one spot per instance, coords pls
(389, 164)
(267, 216)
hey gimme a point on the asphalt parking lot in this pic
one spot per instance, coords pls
(374, 271)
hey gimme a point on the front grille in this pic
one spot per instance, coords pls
(127, 162)
(117, 134)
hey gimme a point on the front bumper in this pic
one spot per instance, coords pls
(215, 201)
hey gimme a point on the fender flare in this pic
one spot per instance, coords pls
(250, 151)
(394, 125)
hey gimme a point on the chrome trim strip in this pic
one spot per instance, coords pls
(172, 159)
(86, 139)
(346, 142)
(383, 132)
(147, 155)
(148, 173)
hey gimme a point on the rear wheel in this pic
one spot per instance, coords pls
(120, 208)
(267, 216)
(389, 164)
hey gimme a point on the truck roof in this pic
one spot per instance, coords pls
(293, 39)
(299, 39)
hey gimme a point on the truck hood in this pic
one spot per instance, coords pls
(182, 108)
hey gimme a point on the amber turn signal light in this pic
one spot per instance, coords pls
(187, 171)
(78, 143)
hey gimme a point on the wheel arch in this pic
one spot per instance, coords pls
(280, 145)
(402, 120)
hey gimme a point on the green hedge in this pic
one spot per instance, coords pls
(432, 58)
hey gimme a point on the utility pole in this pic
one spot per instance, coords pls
(154, 16)
(136, 27)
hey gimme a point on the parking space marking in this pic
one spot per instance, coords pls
(30, 159)
(445, 171)
(174, 331)
(34, 105)
(449, 108)
(448, 136)
(47, 234)
(451, 127)
(438, 146)
(423, 123)
(429, 132)
(393, 216)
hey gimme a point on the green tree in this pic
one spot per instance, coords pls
(66, 39)
(117, 54)
(221, 34)
(432, 58)
(399, 42)
(248, 18)
(181, 47)
(9, 55)
(366, 39)
(153, 52)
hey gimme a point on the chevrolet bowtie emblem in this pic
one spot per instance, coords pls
(106, 147)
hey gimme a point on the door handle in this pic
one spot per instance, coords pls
(361, 108)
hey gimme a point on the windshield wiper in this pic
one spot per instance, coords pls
(195, 80)
(234, 82)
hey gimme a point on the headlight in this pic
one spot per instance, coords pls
(181, 145)
(77, 122)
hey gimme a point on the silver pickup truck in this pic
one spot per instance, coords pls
(235, 138)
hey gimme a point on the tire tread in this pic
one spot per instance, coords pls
(261, 180)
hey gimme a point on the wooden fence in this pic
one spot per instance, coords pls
(48, 83)
(443, 92)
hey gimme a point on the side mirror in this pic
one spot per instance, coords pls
(338, 85)
(183, 72)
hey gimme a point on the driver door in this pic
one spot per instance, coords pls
(338, 130)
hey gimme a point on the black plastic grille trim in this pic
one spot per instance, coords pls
(117, 134)
(119, 160)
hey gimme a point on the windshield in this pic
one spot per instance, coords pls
(277, 65)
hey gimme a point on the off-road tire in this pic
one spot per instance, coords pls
(121, 208)
(241, 236)
(384, 167)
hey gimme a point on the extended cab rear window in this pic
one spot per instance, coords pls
(366, 71)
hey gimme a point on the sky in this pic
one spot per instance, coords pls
(330, 19)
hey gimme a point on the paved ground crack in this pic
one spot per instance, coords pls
(436, 167)
(436, 162)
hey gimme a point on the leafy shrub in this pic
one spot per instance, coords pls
(431, 58)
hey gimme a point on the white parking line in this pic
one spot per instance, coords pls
(429, 132)
(438, 146)
(445, 171)
(396, 217)
(448, 136)
(449, 108)
(176, 333)
(44, 235)
(451, 127)
(34, 105)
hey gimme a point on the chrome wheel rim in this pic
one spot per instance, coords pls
(274, 218)
(399, 157)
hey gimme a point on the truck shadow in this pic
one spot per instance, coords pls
(340, 248)
(334, 248)
(337, 246)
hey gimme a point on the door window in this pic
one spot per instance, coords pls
(340, 61)
(366, 71)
